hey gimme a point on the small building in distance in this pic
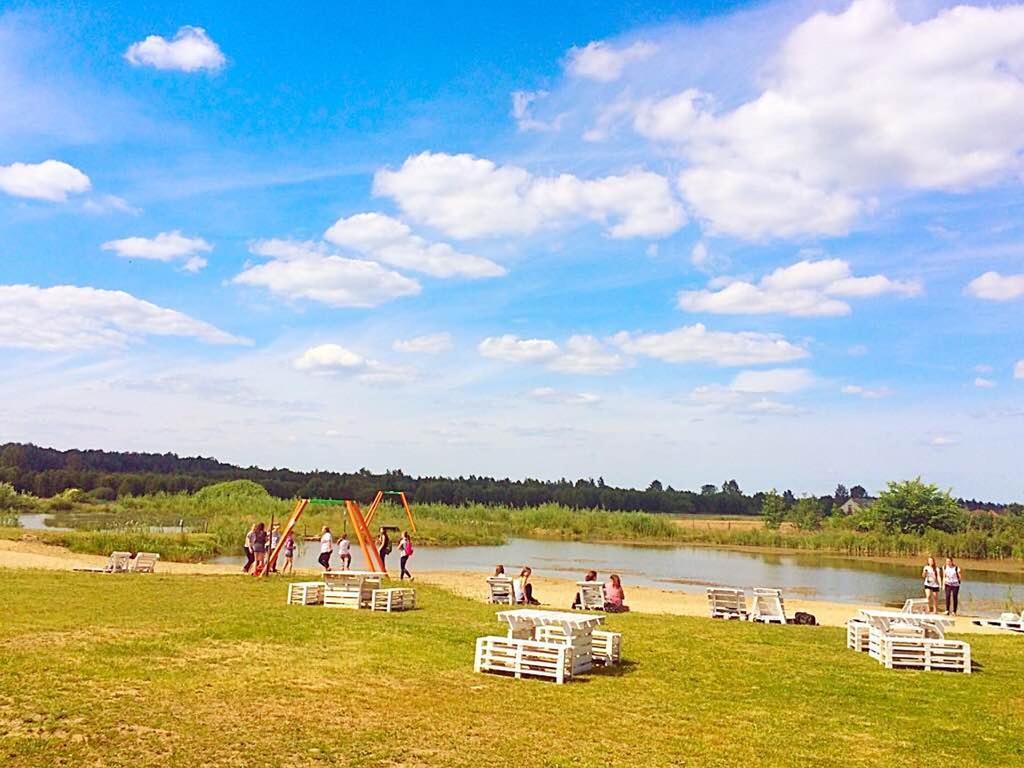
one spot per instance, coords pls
(856, 505)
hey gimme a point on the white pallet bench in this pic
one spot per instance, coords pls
(394, 599)
(306, 593)
(925, 653)
(857, 634)
(768, 606)
(143, 562)
(591, 595)
(607, 647)
(350, 589)
(727, 603)
(500, 590)
(523, 658)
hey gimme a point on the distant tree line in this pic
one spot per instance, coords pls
(46, 472)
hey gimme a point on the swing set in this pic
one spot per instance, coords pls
(361, 523)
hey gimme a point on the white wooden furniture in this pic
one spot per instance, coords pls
(577, 631)
(606, 646)
(350, 589)
(143, 562)
(857, 634)
(1010, 621)
(916, 605)
(523, 658)
(909, 652)
(394, 599)
(768, 606)
(500, 591)
(933, 624)
(727, 603)
(591, 595)
(117, 563)
(306, 593)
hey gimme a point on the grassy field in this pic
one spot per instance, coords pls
(217, 671)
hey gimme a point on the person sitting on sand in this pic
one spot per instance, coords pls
(499, 570)
(614, 596)
(523, 589)
(578, 600)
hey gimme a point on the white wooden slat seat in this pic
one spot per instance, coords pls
(727, 603)
(857, 633)
(606, 647)
(523, 658)
(591, 596)
(905, 652)
(916, 605)
(143, 562)
(1007, 620)
(393, 599)
(768, 606)
(500, 590)
(306, 593)
(355, 592)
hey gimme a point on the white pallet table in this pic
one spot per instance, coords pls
(576, 631)
(394, 599)
(523, 658)
(925, 653)
(727, 603)
(306, 593)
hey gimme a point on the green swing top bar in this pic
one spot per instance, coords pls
(342, 501)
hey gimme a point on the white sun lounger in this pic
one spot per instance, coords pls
(768, 606)
(916, 605)
(143, 562)
(591, 596)
(118, 563)
(727, 603)
(1008, 621)
(500, 590)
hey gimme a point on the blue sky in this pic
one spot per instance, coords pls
(776, 242)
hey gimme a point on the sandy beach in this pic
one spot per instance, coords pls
(555, 593)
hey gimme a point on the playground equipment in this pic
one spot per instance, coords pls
(360, 524)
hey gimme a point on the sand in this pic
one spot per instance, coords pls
(555, 593)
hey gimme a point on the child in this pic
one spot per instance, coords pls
(289, 554)
(614, 596)
(345, 551)
(405, 550)
(275, 538)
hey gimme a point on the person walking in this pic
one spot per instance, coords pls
(259, 548)
(405, 550)
(326, 545)
(383, 547)
(289, 554)
(250, 556)
(952, 578)
(275, 538)
(932, 584)
(345, 551)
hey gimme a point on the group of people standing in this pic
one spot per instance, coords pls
(949, 578)
(260, 543)
(383, 544)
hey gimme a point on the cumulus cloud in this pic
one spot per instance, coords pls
(775, 380)
(430, 344)
(867, 393)
(166, 246)
(390, 241)
(983, 383)
(72, 318)
(805, 289)
(716, 398)
(604, 62)
(333, 359)
(993, 286)
(467, 197)
(50, 180)
(305, 270)
(582, 354)
(854, 104)
(696, 344)
(512, 349)
(522, 113)
(190, 50)
(558, 397)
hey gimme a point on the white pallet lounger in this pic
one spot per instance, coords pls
(306, 593)
(768, 606)
(857, 634)
(143, 562)
(117, 563)
(727, 603)
(394, 599)
(523, 658)
(1008, 621)
(500, 591)
(916, 605)
(591, 595)
(898, 652)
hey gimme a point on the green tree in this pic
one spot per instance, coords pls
(913, 506)
(773, 509)
(708, 490)
(731, 487)
(806, 514)
(841, 495)
(858, 492)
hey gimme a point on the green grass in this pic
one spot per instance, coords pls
(217, 671)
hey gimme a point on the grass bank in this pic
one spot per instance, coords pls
(176, 547)
(184, 671)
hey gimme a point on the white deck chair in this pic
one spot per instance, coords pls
(768, 606)
(727, 603)
(916, 605)
(591, 596)
(118, 562)
(500, 590)
(1010, 621)
(143, 562)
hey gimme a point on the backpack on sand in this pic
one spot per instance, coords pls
(805, 618)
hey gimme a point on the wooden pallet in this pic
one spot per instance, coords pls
(306, 593)
(581, 646)
(607, 647)
(523, 658)
(857, 634)
(726, 603)
(143, 562)
(348, 595)
(500, 590)
(925, 653)
(394, 599)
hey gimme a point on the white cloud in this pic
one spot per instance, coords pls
(775, 380)
(716, 398)
(50, 180)
(867, 393)
(102, 204)
(551, 395)
(942, 441)
(1018, 370)
(190, 50)
(330, 359)
(512, 349)
(706, 261)
(587, 355)
(696, 344)
(431, 344)
(392, 242)
(522, 102)
(72, 318)
(466, 197)
(804, 289)
(854, 104)
(603, 62)
(996, 287)
(304, 270)
(983, 383)
(166, 246)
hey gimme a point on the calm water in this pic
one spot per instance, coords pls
(691, 569)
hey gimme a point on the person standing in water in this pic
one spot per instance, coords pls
(951, 578)
(932, 584)
(405, 550)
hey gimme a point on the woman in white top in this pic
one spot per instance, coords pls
(951, 577)
(932, 584)
(345, 551)
(326, 545)
(250, 555)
